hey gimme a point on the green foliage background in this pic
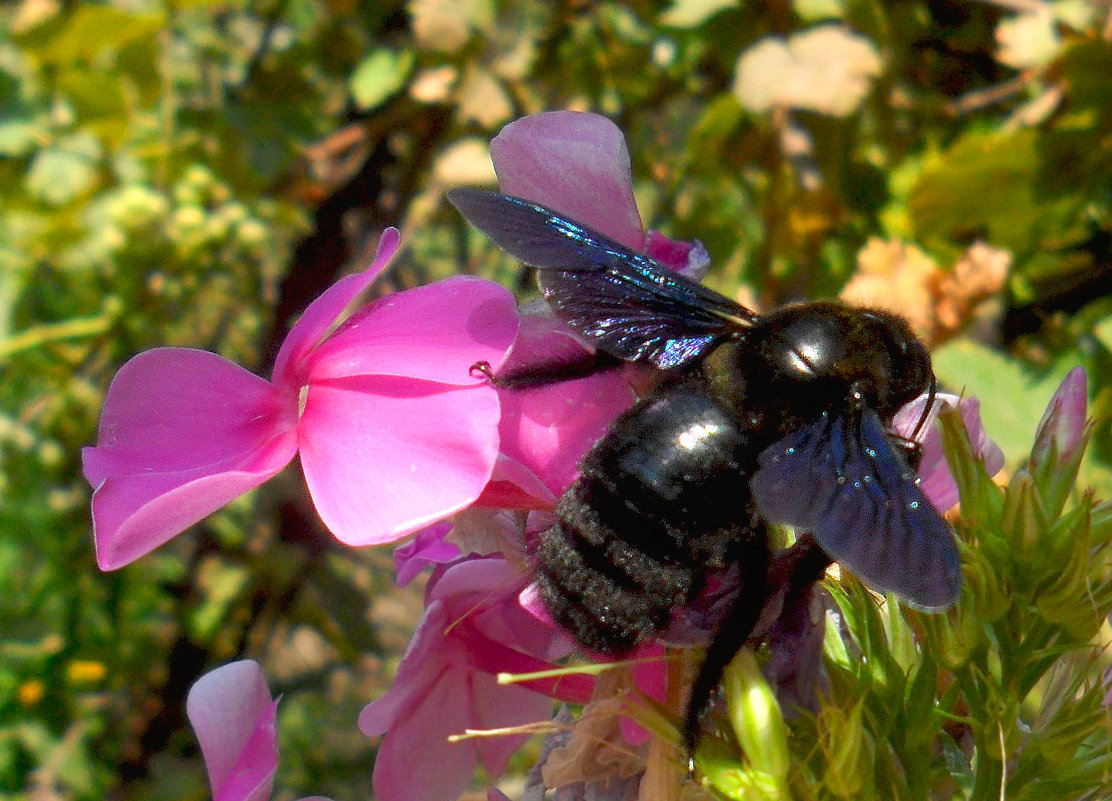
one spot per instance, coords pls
(193, 172)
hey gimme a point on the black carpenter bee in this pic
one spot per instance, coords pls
(782, 418)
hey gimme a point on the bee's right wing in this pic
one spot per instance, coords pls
(624, 302)
(840, 479)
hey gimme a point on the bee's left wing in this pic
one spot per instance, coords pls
(623, 301)
(840, 479)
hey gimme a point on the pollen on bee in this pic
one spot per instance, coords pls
(691, 438)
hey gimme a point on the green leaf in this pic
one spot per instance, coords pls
(990, 185)
(87, 31)
(17, 137)
(693, 13)
(1012, 398)
(379, 76)
(65, 170)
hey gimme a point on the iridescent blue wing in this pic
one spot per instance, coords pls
(624, 302)
(840, 479)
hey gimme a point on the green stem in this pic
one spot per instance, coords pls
(53, 332)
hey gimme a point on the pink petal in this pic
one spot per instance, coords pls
(545, 431)
(496, 706)
(233, 716)
(182, 433)
(323, 312)
(574, 163)
(384, 457)
(548, 430)
(512, 485)
(172, 409)
(937, 483)
(133, 515)
(427, 548)
(435, 332)
(1062, 427)
(415, 761)
(688, 258)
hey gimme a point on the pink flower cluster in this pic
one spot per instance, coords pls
(393, 430)
(396, 432)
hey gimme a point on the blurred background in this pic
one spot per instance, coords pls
(194, 172)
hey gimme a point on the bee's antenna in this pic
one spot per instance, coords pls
(926, 409)
(482, 369)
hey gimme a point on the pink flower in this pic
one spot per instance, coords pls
(446, 685)
(1061, 432)
(545, 431)
(392, 429)
(233, 715)
(577, 165)
(427, 548)
(937, 481)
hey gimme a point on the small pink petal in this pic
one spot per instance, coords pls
(323, 312)
(415, 761)
(174, 409)
(532, 602)
(233, 716)
(384, 457)
(133, 515)
(549, 429)
(512, 485)
(182, 433)
(435, 332)
(937, 482)
(574, 163)
(688, 258)
(427, 548)
(1062, 427)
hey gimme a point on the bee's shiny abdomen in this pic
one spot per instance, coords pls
(662, 498)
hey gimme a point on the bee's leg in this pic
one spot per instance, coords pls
(731, 636)
(792, 572)
(796, 637)
(546, 373)
(796, 568)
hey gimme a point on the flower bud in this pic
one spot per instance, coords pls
(1060, 441)
(985, 585)
(1068, 600)
(756, 719)
(1026, 527)
(849, 752)
(955, 635)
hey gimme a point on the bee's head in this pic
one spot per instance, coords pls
(829, 350)
(902, 363)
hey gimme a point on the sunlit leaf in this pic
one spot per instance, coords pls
(828, 69)
(989, 185)
(379, 76)
(63, 171)
(693, 13)
(1028, 40)
(88, 30)
(17, 136)
(446, 25)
